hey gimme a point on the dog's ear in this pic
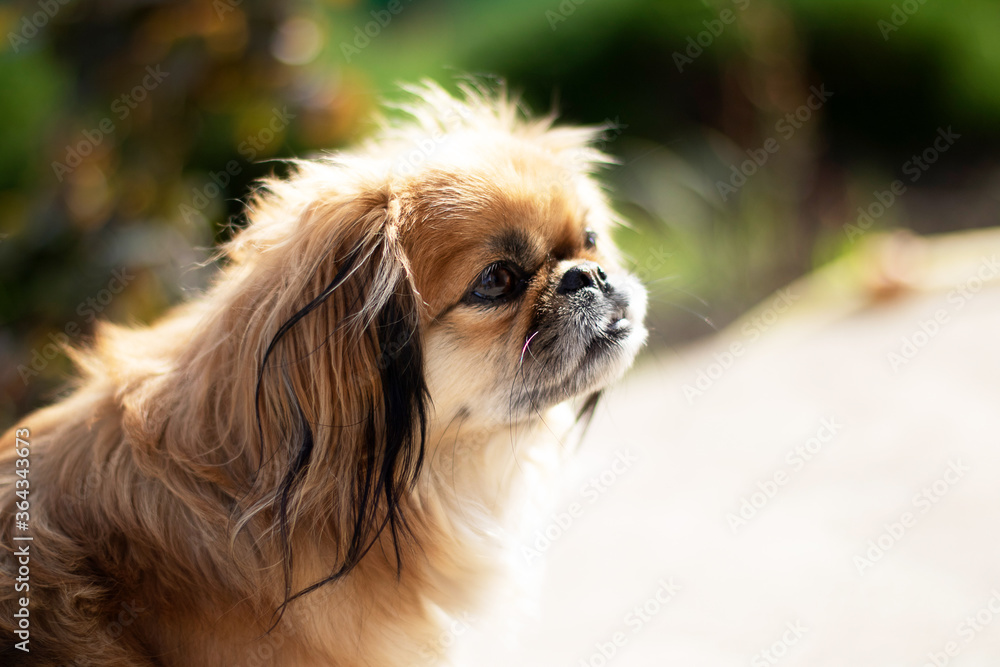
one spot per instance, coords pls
(340, 400)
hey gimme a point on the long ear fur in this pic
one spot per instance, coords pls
(340, 400)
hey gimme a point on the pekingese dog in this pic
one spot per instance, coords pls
(325, 459)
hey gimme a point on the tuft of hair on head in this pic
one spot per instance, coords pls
(482, 107)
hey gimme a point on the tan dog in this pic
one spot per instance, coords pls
(322, 461)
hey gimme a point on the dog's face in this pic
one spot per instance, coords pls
(525, 305)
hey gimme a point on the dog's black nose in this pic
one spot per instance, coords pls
(584, 274)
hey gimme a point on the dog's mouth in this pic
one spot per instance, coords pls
(611, 340)
(621, 325)
(620, 316)
(585, 348)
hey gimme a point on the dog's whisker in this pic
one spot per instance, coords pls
(512, 421)
(700, 316)
(685, 292)
(526, 344)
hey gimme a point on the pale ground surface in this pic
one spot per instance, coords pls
(794, 562)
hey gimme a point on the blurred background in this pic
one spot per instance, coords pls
(777, 160)
(757, 139)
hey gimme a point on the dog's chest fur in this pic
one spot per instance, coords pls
(477, 497)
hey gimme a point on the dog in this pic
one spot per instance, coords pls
(325, 459)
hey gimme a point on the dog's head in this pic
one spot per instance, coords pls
(522, 302)
(459, 266)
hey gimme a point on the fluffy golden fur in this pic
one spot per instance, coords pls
(323, 460)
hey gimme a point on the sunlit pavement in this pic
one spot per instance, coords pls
(830, 495)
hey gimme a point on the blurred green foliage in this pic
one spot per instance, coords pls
(692, 86)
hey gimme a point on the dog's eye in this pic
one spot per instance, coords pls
(590, 239)
(495, 282)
